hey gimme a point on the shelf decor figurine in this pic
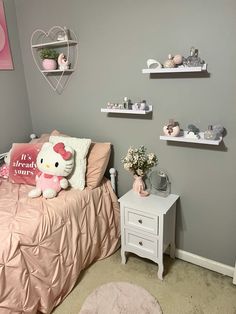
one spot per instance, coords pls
(173, 62)
(139, 164)
(127, 103)
(192, 132)
(139, 105)
(64, 35)
(169, 63)
(178, 60)
(63, 63)
(172, 128)
(193, 60)
(49, 57)
(153, 64)
(213, 132)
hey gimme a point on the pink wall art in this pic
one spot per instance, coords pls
(5, 53)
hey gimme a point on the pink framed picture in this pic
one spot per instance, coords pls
(5, 53)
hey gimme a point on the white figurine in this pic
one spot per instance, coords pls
(63, 63)
(193, 135)
(64, 36)
(153, 64)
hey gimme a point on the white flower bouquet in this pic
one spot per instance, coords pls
(138, 162)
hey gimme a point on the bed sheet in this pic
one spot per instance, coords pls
(45, 244)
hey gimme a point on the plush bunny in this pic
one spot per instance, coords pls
(55, 162)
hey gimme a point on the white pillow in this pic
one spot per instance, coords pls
(81, 147)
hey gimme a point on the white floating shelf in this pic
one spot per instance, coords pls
(127, 111)
(57, 43)
(183, 138)
(57, 71)
(180, 69)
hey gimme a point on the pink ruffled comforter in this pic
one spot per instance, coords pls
(44, 244)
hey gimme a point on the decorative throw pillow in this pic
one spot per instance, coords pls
(22, 167)
(44, 137)
(81, 147)
(97, 160)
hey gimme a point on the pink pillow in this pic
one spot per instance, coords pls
(97, 161)
(23, 167)
(44, 137)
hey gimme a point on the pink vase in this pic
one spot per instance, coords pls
(139, 186)
(49, 64)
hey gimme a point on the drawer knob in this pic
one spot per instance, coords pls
(140, 221)
(140, 243)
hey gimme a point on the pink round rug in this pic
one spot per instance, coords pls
(120, 298)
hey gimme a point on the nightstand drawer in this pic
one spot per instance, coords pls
(138, 242)
(141, 220)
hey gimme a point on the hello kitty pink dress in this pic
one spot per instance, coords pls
(48, 181)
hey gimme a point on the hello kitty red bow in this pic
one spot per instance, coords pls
(60, 149)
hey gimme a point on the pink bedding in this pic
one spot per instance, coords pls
(44, 244)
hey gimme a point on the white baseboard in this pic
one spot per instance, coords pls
(205, 262)
(234, 278)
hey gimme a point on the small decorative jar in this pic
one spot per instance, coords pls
(210, 134)
(142, 105)
(193, 60)
(127, 103)
(172, 128)
(135, 106)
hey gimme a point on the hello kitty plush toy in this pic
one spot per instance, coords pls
(55, 162)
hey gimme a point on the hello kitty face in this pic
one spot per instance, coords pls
(56, 159)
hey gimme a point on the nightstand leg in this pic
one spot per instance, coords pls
(160, 271)
(172, 250)
(123, 257)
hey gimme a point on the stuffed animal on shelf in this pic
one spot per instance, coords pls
(55, 162)
(63, 63)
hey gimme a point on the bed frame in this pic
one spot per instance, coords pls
(112, 171)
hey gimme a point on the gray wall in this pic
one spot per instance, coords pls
(115, 40)
(15, 120)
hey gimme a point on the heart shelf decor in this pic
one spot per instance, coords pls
(55, 54)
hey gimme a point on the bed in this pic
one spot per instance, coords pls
(46, 243)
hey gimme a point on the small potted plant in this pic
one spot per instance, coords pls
(49, 57)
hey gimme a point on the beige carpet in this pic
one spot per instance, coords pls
(186, 288)
(120, 298)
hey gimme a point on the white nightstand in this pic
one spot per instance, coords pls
(148, 226)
